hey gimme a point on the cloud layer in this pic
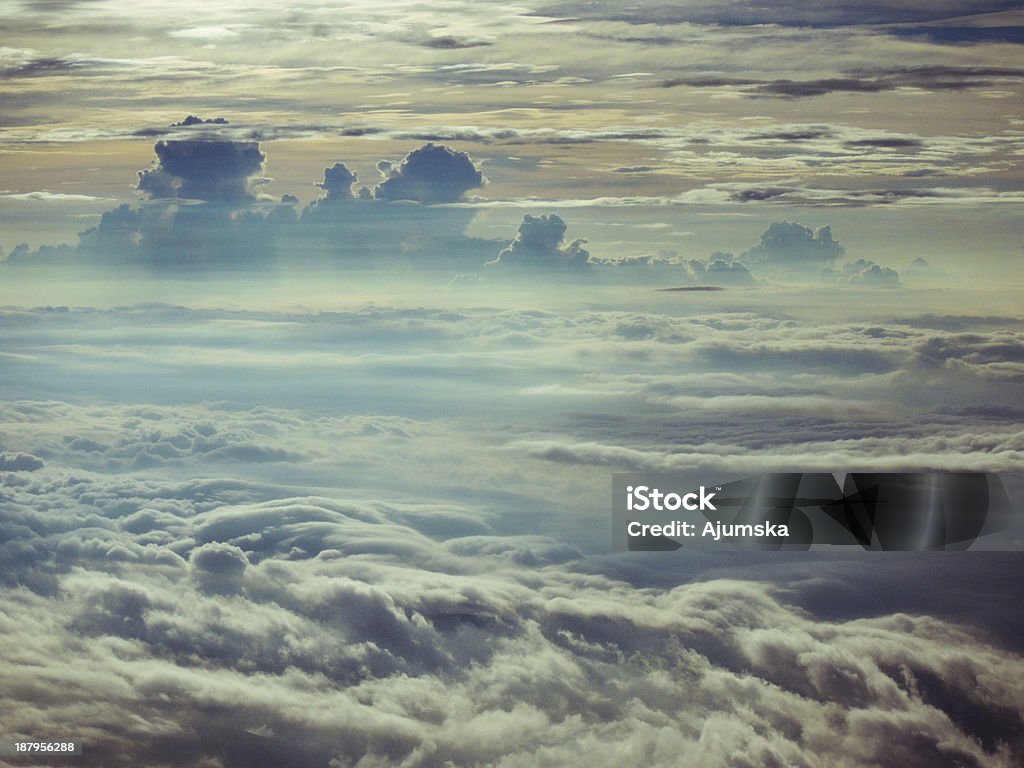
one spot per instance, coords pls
(379, 535)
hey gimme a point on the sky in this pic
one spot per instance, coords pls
(325, 325)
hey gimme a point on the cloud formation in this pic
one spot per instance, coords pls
(234, 572)
(203, 208)
(206, 168)
(540, 242)
(431, 174)
(797, 13)
(337, 183)
(786, 243)
(937, 77)
(868, 273)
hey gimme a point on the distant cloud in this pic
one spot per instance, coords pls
(196, 120)
(55, 197)
(786, 243)
(433, 173)
(862, 272)
(540, 242)
(796, 13)
(930, 78)
(450, 42)
(338, 181)
(211, 170)
(203, 207)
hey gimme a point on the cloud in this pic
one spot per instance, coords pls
(55, 197)
(431, 174)
(196, 608)
(196, 120)
(337, 183)
(788, 243)
(398, 648)
(19, 462)
(797, 13)
(540, 242)
(218, 566)
(864, 272)
(451, 43)
(204, 208)
(723, 269)
(206, 169)
(939, 77)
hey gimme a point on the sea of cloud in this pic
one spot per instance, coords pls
(378, 534)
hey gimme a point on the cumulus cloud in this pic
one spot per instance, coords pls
(540, 242)
(863, 272)
(203, 208)
(196, 120)
(207, 169)
(337, 183)
(434, 173)
(700, 274)
(786, 242)
(722, 268)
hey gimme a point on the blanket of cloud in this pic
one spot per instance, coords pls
(307, 431)
(377, 534)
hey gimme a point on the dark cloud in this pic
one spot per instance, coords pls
(540, 242)
(804, 88)
(926, 77)
(760, 194)
(19, 462)
(804, 135)
(41, 67)
(708, 82)
(451, 43)
(196, 120)
(433, 173)
(885, 143)
(951, 33)
(337, 183)
(826, 198)
(798, 13)
(788, 243)
(209, 170)
(203, 209)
